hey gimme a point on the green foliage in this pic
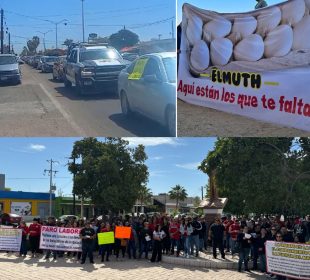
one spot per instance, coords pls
(144, 195)
(33, 44)
(68, 42)
(109, 173)
(123, 38)
(178, 193)
(261, 175)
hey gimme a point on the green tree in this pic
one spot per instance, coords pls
(25, 51)
(258, 174)
(33, 44)
(123, 38)
(144, 195)
(178, 193)
(110, 173)
(68, 42)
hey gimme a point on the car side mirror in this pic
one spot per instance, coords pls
(151, 79)
(20, 62)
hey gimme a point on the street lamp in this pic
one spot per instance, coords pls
(44, 33)
(83, 23)
(56, 25)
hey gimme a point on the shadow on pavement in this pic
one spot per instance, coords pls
(139, 125)
(71, 93)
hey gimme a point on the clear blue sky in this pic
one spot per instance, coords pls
(222, 6)
(171, 161)
(25, 18)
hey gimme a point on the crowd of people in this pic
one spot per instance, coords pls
(181, 236)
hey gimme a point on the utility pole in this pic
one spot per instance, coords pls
(172, 29)
(1, 35)
(83, 23)
(201, 192)
(44, 33)
(51, 172)
(159, 36)
(9, 42)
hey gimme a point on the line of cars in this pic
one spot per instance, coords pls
(146, 85)
(10, 71)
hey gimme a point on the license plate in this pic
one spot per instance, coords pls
(3, 78)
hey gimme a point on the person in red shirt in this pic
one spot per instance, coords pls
(175, 235)
(234, 230)
(34, 237)
(227, 223)
(106, 248)
(23, 246)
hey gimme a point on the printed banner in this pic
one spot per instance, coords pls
(122, 232)
(105, 238)
(10, 239)
(60, 239)
(255, 64)
(288, 259)
(21, 208)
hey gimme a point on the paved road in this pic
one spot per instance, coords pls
(14, 268)
(41, 107)
(202, 121)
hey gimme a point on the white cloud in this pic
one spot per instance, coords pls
(156, 158)
(189, 166)
(158, 173)
(153, 141)
(37, 147)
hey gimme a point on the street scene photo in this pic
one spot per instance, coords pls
(88, 68)
(164, 208)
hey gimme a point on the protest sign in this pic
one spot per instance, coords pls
(138, 69)
(60, 239)
(10, 239)
(255, 64)
(105, 238)
(288, 259)
(122, 232)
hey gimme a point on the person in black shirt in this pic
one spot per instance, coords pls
(52, 223)
(216, 233)
(87, 234)
(245, 240)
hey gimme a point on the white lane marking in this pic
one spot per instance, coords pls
(68, 118)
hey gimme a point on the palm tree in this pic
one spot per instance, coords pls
(144, 195)
(178, 193)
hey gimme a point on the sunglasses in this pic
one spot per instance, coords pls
(278, 236)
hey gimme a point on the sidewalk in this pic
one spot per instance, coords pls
(15, 268)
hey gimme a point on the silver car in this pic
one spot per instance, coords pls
(9, 69)
(148, 87)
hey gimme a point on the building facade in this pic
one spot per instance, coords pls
(26, 204)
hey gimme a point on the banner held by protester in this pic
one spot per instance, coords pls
(254, 64)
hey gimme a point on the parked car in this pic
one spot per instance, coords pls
(9, 69)
(67, 217)
(48, 63)
(130, 56)
(58, 68)
(10, 219)
(35, 61)
(93, 68)
(148, 87)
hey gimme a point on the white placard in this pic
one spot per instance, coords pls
(257, 89)
(10, 239)
(288, 259)
(60, 239)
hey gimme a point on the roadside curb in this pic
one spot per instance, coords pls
(211, 264)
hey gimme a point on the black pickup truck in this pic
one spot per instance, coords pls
(93, 68)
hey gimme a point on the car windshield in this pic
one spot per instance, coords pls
(99, 54)
(170, 66)
(50, 59)
(7, 60)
